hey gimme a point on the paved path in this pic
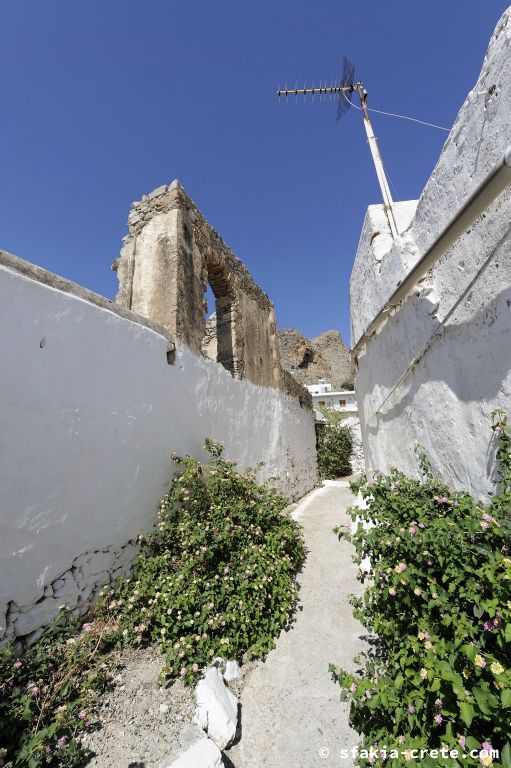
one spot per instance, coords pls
(290, 705)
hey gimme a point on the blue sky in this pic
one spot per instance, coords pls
(104, 101)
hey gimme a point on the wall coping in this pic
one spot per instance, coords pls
(50, 279)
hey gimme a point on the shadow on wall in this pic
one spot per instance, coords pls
(449, 359)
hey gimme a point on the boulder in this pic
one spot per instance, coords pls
(217, 708)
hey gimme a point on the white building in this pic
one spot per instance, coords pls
(345, 400)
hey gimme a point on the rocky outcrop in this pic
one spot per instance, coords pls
(308, 360)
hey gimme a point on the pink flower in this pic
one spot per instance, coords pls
(412, 531)
(462, 742)
(439, 719)
(439, 703)
(183, 671)
(484, 525)
(82, 714)
(411, 709)
(62, 742)
(421, 525)
(33, 689)
(353, 687)
(17, 664)
(195, 668)
(497, 430)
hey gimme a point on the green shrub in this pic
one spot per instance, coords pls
(333, 444)
(439, 603)
(48, 692)
(216, 577)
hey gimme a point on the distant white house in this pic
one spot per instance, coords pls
(344, 400)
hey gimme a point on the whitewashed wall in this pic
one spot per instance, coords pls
(441, 364)
(90, 414)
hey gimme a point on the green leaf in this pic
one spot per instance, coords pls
(507, 633)
(505, 756)
(505, 697)
(481, 698)
(467, 712)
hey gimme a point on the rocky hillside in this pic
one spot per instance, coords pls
(308, 360)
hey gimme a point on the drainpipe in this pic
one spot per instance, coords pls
(487, 191)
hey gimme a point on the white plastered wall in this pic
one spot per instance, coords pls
(439, 366)
(90, 413)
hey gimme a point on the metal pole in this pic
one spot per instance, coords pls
(380, 172)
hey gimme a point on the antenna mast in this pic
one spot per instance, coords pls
(344, 90)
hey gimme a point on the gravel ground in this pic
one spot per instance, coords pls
(141, 724)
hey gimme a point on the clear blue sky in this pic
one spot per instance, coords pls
(102, 101)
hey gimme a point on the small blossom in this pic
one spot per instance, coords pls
(17, 664)
(439, 703)
(421, 525)
(423, 673)
(417, 591)
(411, 709)
(183, 671)
(400, 567)
(462, 741)
(479, 661)
(496, 668)
(353, 687)
(484, 525)
(62, 742)
(392, 591)
(439, 719)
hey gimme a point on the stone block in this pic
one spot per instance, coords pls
(217, 708)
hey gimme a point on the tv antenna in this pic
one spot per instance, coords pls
(344, 90)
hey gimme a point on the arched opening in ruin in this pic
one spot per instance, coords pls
(219, 339)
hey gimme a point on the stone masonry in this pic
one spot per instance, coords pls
(168, 257)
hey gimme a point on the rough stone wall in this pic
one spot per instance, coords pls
(441, 363)
(95, 400)
(167, 259)
(308, 360)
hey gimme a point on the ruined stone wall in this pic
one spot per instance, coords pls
(441, 363)
(169, 256)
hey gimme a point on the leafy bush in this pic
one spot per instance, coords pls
(47, 693)
(334, 445)
(216, 577)
(439, 602)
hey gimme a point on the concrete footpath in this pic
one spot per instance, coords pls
(291, 712)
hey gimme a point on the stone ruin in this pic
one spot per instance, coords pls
(167, 260)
